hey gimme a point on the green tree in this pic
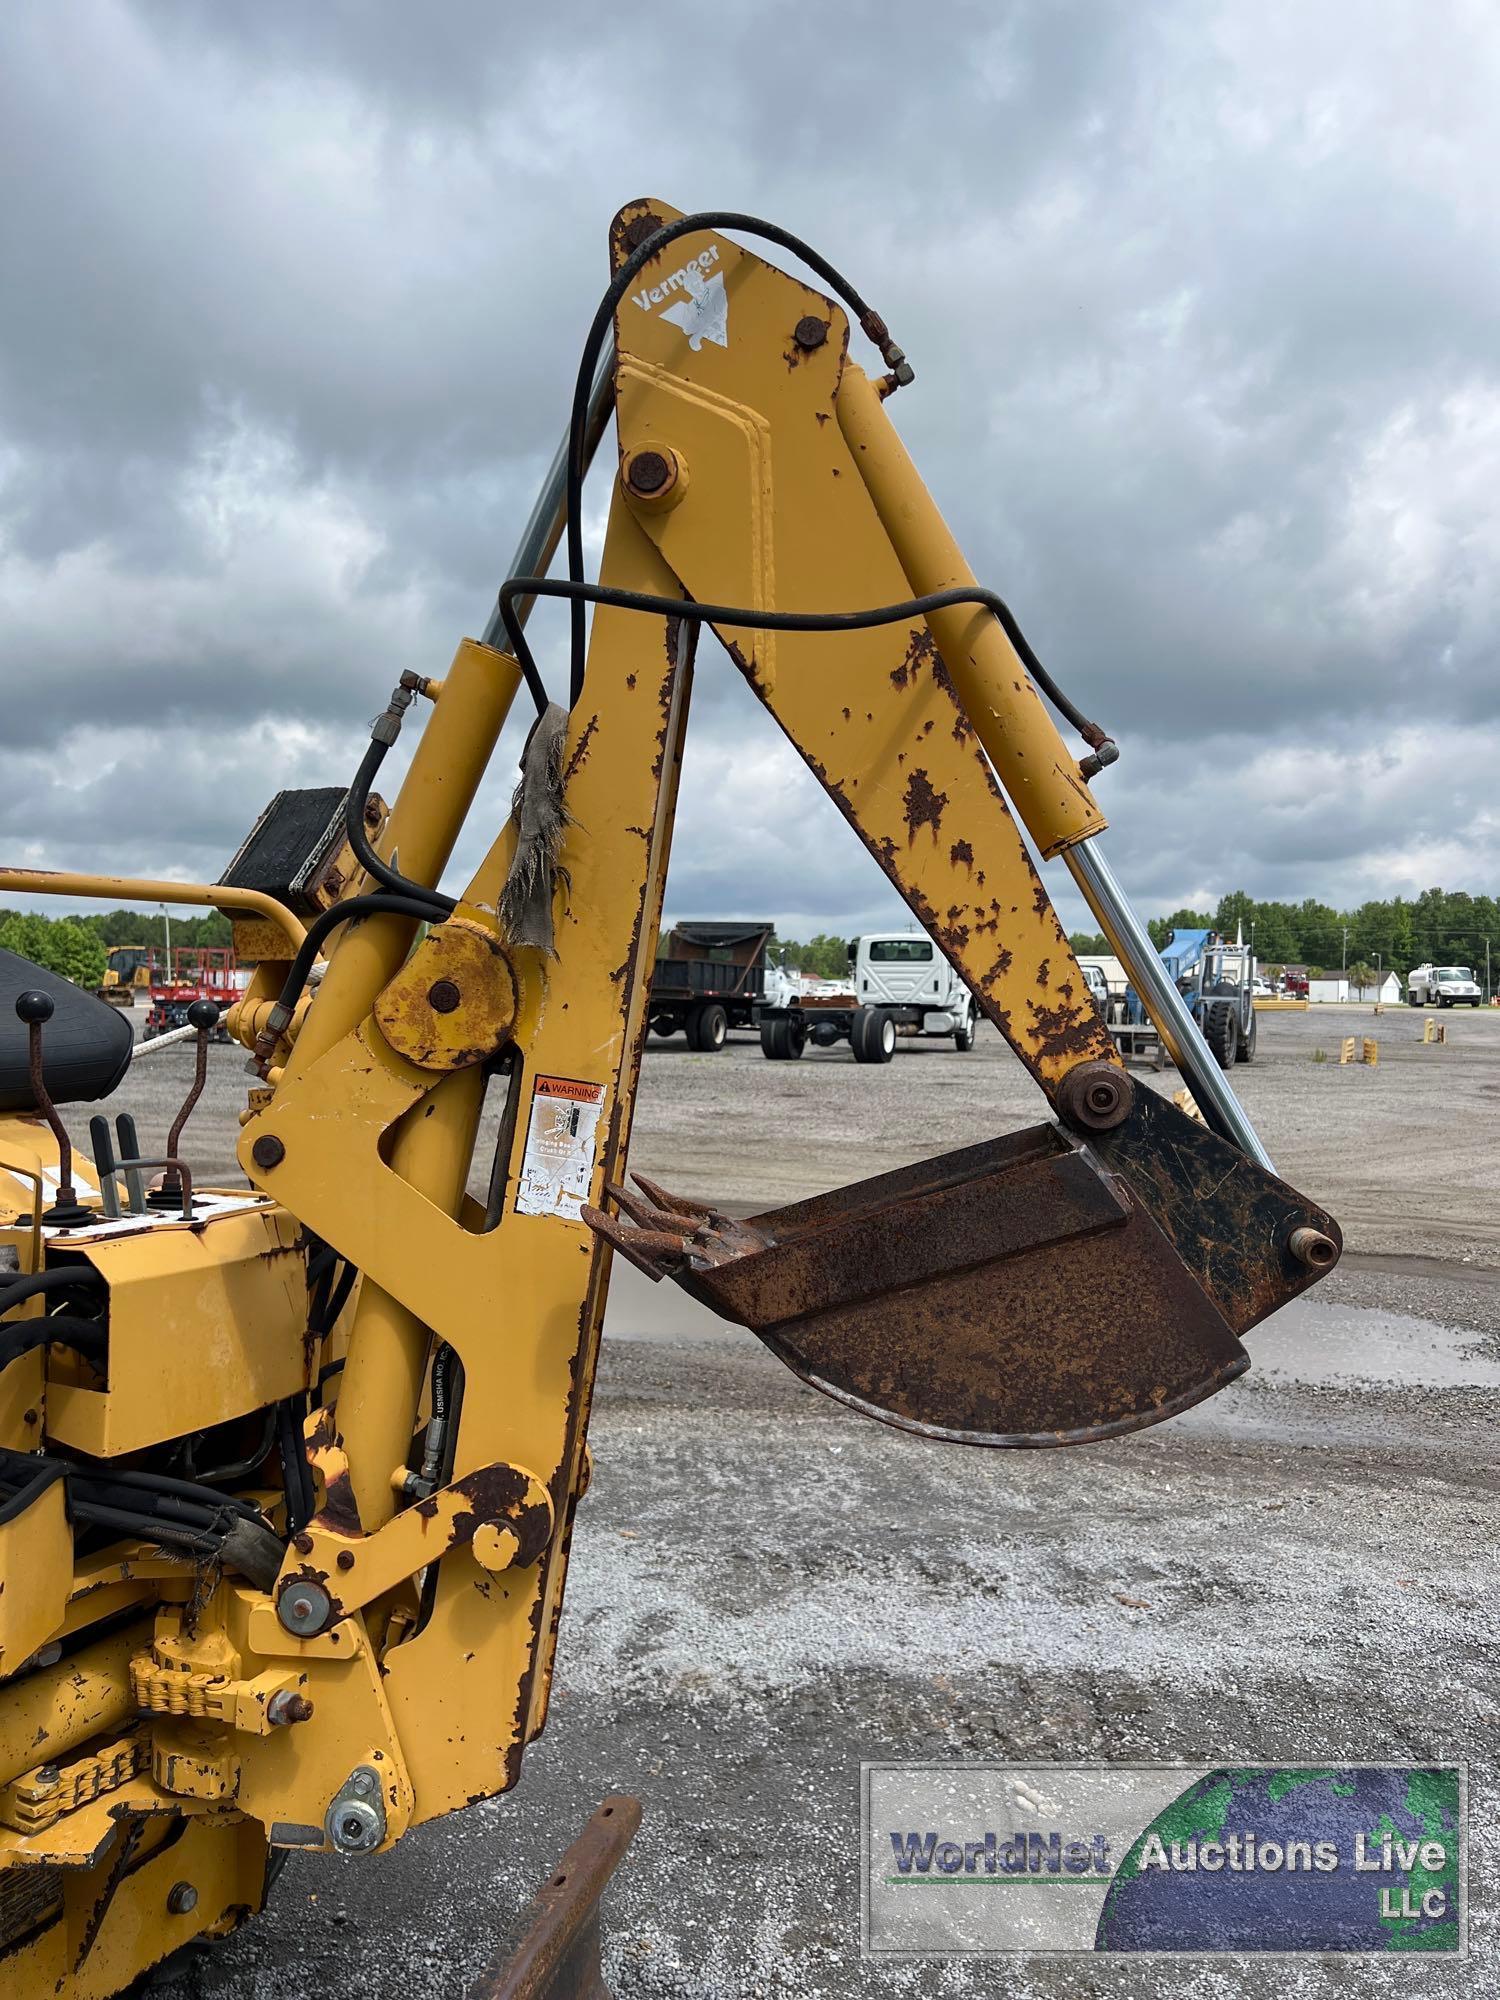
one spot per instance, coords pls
(1236, 910)
(28, 935)
(65, 945)
(1361, 978)
(1089, 944)
(78, 954)
(1320, 932)
(1275, 932)
(1161, 928)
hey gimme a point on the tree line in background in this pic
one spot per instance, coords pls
(1439, 927)
(75, 946)
(823, 956)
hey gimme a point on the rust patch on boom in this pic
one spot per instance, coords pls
(924, 804)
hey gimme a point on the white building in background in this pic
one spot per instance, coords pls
(1334, 987)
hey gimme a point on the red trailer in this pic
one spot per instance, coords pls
(196, 972)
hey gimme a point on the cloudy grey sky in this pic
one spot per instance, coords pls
(1205, 306)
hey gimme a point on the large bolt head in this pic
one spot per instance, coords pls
(647, 471)
(268, 1151)
(182, 1899)
(286, 1707)
(303, 1607)
(356, 1824)
(1096, 1096)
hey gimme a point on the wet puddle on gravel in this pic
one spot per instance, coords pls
(1308, 1341)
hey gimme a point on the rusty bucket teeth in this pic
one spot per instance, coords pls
(657, 1252)
(650, 1214)
(673, 1204)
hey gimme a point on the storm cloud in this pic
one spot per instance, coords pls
(1204, 304)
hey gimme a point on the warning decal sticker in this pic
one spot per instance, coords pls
(560, 1142)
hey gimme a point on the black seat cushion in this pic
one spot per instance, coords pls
(85, 1046)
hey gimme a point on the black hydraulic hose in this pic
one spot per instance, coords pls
(296, 1474)
(187, 1489)
(382, 904)
(752, 225)
(354, 828)
(338, 1299)
(15, 1290)
(242, 1468)
(97, 1515)
(174, 1513)
(84, 1336)
(804, 621)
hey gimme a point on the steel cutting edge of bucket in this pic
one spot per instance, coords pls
(1033, 1290)
(557, 1958)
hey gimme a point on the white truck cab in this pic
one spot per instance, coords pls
(904, 973)
(1442, 986)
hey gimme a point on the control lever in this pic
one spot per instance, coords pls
(203, 1016)
(104, 1166)
(130, 1150)
(34, 1008)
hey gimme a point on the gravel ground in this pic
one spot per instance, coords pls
(766, 1589)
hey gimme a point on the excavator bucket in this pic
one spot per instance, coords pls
(1039, 1289)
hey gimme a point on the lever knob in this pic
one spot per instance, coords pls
(203, 1015)
(33, 1007)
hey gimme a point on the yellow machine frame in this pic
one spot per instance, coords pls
(411, 1640)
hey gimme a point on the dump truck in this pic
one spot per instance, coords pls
(709, 978)
(291, 1464)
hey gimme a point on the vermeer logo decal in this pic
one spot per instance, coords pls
(699, 303)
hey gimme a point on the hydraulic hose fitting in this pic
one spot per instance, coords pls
(387, 725)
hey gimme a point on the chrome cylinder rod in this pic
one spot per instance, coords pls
(544, 529)
(1169, 1012)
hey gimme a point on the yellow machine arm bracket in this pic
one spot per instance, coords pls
(501, 1513)
(454, 1001)
(779, 515)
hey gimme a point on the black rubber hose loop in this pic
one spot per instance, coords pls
(792, 621)
(377, 869)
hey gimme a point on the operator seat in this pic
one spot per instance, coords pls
(86, 1046)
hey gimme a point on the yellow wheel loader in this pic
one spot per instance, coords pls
(289, 1470)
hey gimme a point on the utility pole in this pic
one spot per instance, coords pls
(167, 920)
(1344, 949)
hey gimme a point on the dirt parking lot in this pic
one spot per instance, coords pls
(767, 1589)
